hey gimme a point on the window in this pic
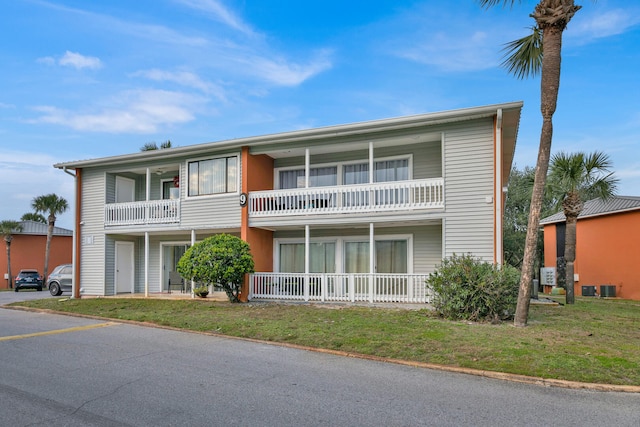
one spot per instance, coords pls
(318, 177)
(322, 257)
(391, 256)
(213, 176)
(392, 170)
(385, 171)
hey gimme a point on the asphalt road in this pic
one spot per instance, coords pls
(67, 371)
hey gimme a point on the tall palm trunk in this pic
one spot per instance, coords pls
(7, 241)
(47, 250)
(572, 206)
(549, 86)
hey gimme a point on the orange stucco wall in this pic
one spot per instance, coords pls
(27, 251)
(607, 252)
(257, 174)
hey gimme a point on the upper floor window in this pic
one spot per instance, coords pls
(318, 177)
(213, 176)
(385, 171)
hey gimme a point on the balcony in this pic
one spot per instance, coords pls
(142, 213)
(344, 199)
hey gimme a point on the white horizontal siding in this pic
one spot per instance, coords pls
(211, 212)
(92, 239)
(469, 188)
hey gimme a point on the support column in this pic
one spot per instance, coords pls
(306, 262)
(498, 197)
(146, 263)
(193, 242)
(372, 261)
(371, 163)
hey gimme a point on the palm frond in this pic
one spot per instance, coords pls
(523, 57)
(490, 3)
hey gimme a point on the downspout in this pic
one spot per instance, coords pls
(498, 198)
(77, 234)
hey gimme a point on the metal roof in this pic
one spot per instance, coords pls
(598, 207)
(40, 229)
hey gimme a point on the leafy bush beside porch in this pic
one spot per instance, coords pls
(466, 288)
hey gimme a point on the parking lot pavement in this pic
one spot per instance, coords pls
(7, 297)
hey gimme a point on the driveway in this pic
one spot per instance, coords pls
(7, 297)
(69, 371)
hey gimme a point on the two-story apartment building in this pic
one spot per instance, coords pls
(354, 212)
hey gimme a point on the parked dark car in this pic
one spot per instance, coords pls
(60, 279)
(28, 279)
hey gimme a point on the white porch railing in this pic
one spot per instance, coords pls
(403, 288)
(142, 213)
(383, 196)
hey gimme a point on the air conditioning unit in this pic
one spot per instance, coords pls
(607, 290)
(588, 291)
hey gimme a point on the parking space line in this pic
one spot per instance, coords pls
(58, 331)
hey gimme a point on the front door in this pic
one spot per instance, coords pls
(125, 189)
(124, 267)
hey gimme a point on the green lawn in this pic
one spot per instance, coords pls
(595, 340)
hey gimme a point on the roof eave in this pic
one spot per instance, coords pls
(398, 123)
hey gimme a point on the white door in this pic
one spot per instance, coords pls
(125, 189)
(124, 267)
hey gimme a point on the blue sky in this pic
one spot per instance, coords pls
(91, 79)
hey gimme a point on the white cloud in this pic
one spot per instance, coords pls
(284, 73)
(220, 13)
(27, 175)
(72, 59)
(451, 51)
(601, 24)
(76, 60)
(183, 78)
(139, 111)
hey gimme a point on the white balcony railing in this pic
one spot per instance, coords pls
(142, 213)
(403, 288)
(383, 196)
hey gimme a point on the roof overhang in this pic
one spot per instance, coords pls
(274, 143)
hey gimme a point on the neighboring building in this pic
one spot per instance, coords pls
(607, 245)
(355, 212)
(28, 248)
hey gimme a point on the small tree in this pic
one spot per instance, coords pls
(574, 178)
(221, 260)
(466, 288)
(7, 228)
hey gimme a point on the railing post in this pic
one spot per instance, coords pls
(323, 287)
(352, 286)
(371, 285)
(411, 283)
(306, 287)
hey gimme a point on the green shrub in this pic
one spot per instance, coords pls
(221, 260)
(466, 288)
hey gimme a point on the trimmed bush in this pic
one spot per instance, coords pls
(221, 260)
(466, 288)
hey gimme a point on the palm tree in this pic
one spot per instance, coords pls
(150, 146)
(572, 179)
(538, 52)
(7, 228)
(31, 216)
(52, 205)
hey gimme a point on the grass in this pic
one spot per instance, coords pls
(594, 340)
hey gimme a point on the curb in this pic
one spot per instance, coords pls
(524, 379)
